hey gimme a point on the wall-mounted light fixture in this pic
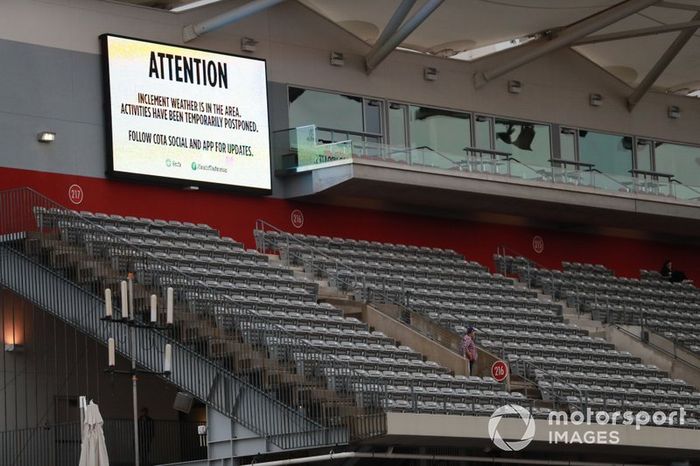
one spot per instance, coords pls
(13, 348)
(248, 44)
(430, 73)
(674, 112)
(595, 100)
(46, 137)
(514, 87)
(337, 59)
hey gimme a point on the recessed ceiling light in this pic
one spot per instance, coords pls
(46, 137)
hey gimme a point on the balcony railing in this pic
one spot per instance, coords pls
(308, 147)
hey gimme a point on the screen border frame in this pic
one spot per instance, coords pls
(164, 180)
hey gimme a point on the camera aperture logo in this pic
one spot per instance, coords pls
(495, 422)
(575, 427)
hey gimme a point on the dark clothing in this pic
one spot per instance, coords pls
(674, 276)
(146, 433)
(677, 276)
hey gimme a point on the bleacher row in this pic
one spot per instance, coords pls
(670, 309)
(514, 322)
(272, 309)
(377, 249)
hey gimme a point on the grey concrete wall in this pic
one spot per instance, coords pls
(45, 89)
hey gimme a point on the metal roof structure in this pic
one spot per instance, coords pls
(648, 44)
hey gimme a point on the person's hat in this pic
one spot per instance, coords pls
(471, 329)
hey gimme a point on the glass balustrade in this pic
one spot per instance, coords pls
(311, 146)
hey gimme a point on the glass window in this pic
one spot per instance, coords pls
(373, 116)
(567, 143)
(644, 154)
(680, 160)
(397, 124)
(528, 142)
(611, 153)
(324, 109)
(482, 132)
(444, 131)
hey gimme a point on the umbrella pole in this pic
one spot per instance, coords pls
(82, 404)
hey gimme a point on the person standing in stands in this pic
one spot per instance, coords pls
(468, 348)
(674, 276)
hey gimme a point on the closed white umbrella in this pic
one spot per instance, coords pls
(93, 451)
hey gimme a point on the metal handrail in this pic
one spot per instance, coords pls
(677, 181)
(503, 251)
(335, 130)
(513, 159)
(656, 347)
(529, 367)
(453, 162)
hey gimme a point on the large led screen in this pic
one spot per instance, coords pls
(187, 115)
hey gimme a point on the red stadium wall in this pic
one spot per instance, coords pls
(235, 214)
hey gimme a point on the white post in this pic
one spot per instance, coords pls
(170, 305)
(125, 300)
(82, 404)
(111, 356)
(154, 308)
(168, 361)
(109, 310)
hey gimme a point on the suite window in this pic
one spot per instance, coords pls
(483, 130)
(444, 131)
(682, 161)
(610, 153)
(644, 154)
(398, 122)
(567, 144)
(528, 142)
(325, 109)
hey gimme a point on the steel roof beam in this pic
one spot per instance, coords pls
(394, 22)
(193, 31)
(650, 31)
(661, 65)
(565, 37)
(375, 57)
